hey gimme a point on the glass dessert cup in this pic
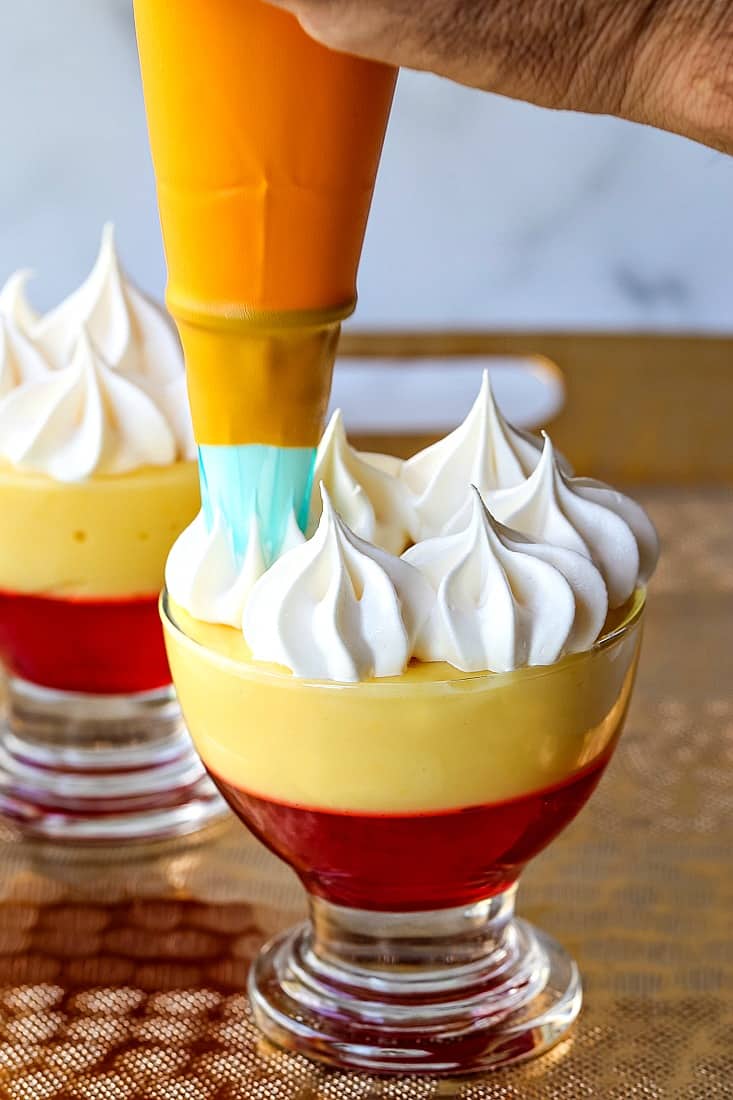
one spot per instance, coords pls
(93, 745)
(408, 807)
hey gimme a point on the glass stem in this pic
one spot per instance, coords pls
(83, 768)
(439, 941)
(449, 990)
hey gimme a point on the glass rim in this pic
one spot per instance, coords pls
(284, 677)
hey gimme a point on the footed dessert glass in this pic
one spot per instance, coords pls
(93, 745)
(408, 807)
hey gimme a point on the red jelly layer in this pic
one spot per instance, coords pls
(414, 861)
(98, 646)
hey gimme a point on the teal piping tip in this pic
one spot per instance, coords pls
(270, 483)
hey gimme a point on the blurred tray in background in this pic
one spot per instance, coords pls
(638, 408)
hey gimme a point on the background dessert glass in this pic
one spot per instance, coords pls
(93, 745)
(408, 807)
(97, 481)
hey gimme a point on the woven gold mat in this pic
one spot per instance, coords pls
(121, 976)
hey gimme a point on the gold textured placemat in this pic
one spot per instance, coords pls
(121, 976)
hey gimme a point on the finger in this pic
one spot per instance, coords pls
(523, 48)
(664, 62)
(370, 28)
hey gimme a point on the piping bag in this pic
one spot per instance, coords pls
(266, 147)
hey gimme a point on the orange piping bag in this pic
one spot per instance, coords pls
(266, 147)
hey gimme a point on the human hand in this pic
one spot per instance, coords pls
(668, 63)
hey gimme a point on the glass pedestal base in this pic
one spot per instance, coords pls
(449, 991)
(100, 768)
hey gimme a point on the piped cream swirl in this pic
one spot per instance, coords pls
(20, 361)
(337, 607)
(83, 420)
(370, 500)
(206, 576)
(131, 335)
(583, 515)
(485, 451)
(503, 601)
(13, 302)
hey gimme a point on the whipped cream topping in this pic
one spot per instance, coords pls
(130, 335)
(205, 575)
(370, 500)
(337, 607)
(388, 464)
(83, 420)
(13, 302)
(20, 361)
(503, 601)
(131, 332)
(484, 451)
(583, 515)
(518, 573)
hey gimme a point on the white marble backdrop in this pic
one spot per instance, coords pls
(487, 212)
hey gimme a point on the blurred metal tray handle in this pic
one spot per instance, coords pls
(626, 407)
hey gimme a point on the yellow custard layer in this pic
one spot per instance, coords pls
(108, 536)
(431, 739)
